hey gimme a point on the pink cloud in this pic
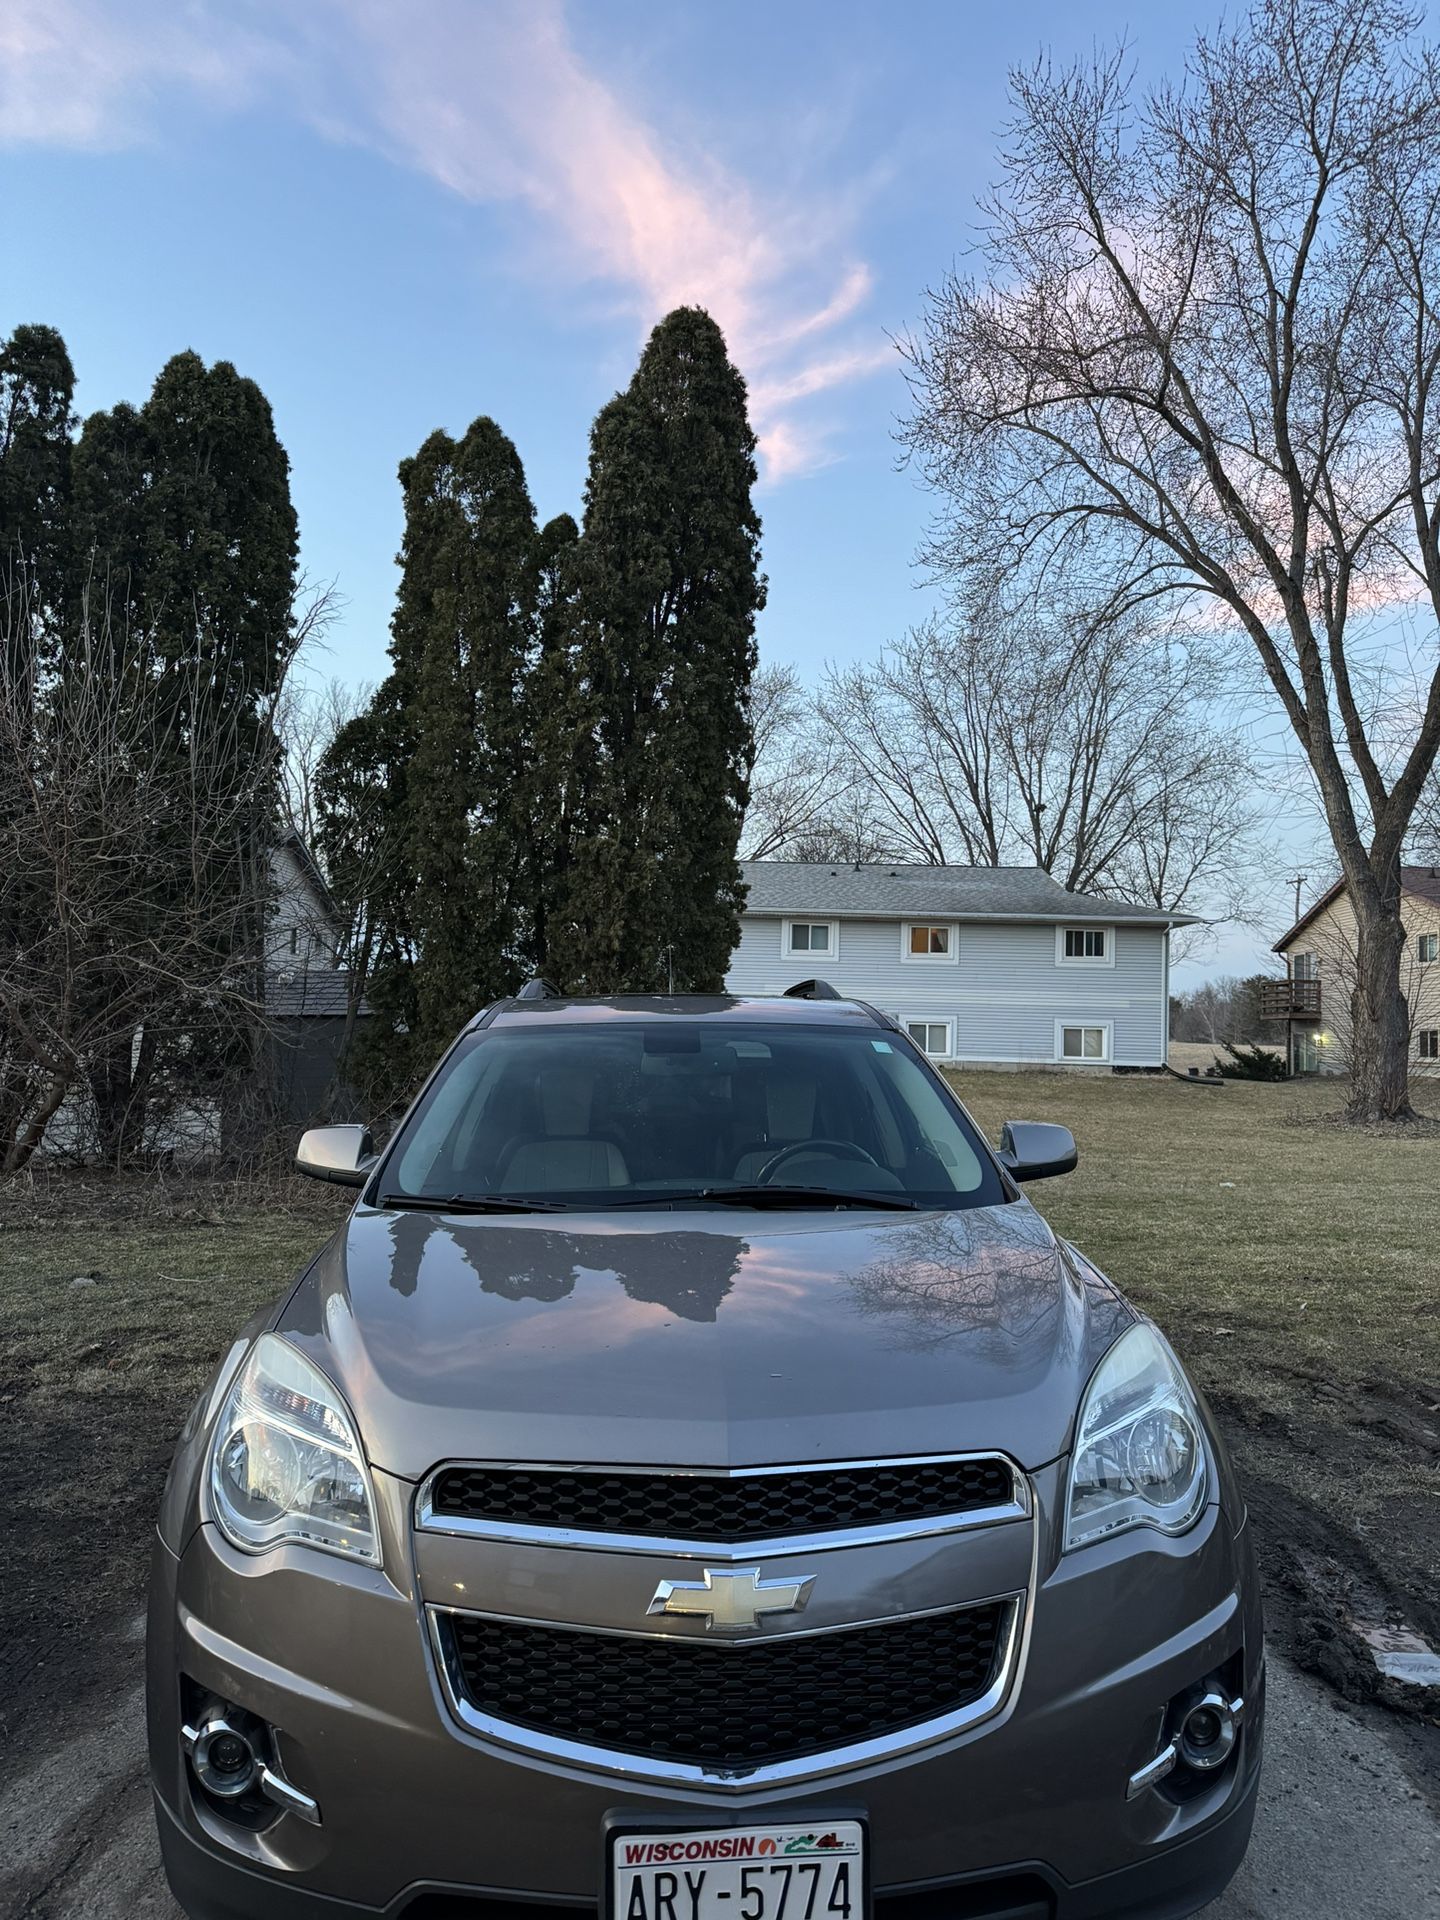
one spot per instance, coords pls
(495, 104)
(74, 73)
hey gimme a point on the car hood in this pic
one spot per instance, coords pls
(706, 1338)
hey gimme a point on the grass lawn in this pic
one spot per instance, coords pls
(1269, 1243)
(1294, 1265)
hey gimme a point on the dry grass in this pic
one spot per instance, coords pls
(1255, 1234)
(1293, 1263)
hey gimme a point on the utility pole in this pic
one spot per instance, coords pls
(1298, 882)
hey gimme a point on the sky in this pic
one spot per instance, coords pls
(396, 217)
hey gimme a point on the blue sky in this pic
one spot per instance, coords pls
(398, 216)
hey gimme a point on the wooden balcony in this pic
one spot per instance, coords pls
(1290, 1000)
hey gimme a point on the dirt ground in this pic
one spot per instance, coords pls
(1293, 1264)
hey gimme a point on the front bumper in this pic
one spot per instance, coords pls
(421, 1817)
(1174, 1883)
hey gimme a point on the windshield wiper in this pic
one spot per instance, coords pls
(768, 1196)
(470, 1203)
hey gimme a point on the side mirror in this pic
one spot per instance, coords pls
(1034, 1150)
(342, 1155)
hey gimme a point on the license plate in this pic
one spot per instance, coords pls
(814, 1870)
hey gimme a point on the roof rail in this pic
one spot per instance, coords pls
(811, 990)
(538, 989)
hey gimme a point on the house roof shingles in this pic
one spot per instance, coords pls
(883, 890)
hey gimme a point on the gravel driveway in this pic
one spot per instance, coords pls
(1343, 1833)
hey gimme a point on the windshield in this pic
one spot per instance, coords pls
(665, 1111)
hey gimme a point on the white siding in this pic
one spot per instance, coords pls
(1005, 996)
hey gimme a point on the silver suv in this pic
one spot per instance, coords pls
(695, 1484)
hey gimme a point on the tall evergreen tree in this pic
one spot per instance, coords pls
(37, 388)
(457, 815)
(555, 741)
(185, 548)
(360, 789)
(670, 587)
(112, 534)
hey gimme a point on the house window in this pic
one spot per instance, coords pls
(928, 941)
(932, 1037)
(1427, 946)
(1304, 966)
(1082, 1043)
(1306, 1056)
(810, 936)
(294, 939)
(1085, 946)
(1429, 1038)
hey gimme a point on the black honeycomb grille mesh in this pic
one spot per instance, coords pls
(686, 1506)
(725, 1708)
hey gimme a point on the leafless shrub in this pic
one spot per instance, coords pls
(134, 838)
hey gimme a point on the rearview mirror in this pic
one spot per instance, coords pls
(342, 1155)
(1034, 1150)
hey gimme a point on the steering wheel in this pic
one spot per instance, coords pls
(837, 1149)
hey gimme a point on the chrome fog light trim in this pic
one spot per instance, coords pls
(1151, 1775)
(1203, 1755)
(231, 1784)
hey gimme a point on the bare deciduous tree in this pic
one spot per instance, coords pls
(308, 717)
(1081, 745)
(129, 890)
(795, 780)
(1209, 343)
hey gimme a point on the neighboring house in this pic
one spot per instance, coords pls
(304, 926)
(307, 996)
(990, 966)
(1319, 954)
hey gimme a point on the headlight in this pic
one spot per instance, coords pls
(285, 1461)
(1139, 1459)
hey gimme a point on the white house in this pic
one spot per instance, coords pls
(990, 966)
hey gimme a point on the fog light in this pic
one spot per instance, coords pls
(225, 1762)
(1208, 1723)
(1207, 1734)
(233, 1756)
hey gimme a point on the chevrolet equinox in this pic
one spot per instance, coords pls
(696, 1484)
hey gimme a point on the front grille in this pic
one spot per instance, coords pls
(721, 1507)
(730, 1708)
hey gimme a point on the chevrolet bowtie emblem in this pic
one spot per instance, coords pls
(731, 1602)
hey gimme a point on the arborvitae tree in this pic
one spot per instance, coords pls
(185, 536)
(361, 845)
(112, 533)
(669, 591)
(457, 814)
(37, 387)
(221, 571)
(556, 741)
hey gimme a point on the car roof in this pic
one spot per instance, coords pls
(712, 1008)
